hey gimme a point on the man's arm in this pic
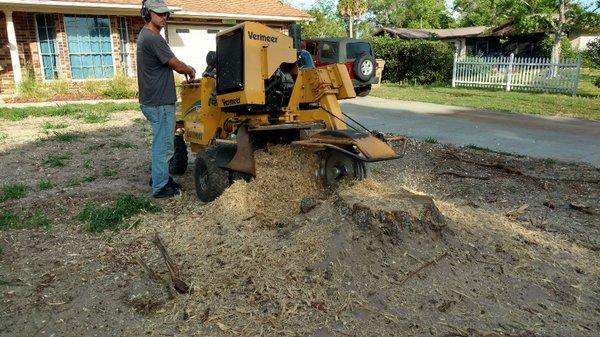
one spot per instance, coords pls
(182, 68)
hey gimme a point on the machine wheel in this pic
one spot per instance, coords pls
(363, 91)
(336, 166)
(210, 180)
(179, 162)
(364, 67)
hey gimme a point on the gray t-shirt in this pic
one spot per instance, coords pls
(156, 82)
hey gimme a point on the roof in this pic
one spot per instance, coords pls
(235, 9)
(408, 33)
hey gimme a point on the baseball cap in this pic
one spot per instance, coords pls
(158, 6)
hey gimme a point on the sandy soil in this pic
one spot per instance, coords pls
(516, 254)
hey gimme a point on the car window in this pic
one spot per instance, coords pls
(311, 47)
(356, 49)
(329, 50)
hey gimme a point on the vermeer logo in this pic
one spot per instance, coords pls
(261, 37)
(231, 101)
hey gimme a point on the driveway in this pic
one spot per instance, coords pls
(536, 136)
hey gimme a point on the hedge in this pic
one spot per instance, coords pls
(420, 61)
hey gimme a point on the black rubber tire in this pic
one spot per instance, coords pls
(179, 162)
(363, 91)
(210, 180)
(358, 68)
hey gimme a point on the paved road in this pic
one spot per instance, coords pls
(535, 136)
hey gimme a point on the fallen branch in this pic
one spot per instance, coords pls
(463, 175)
(179, 285)
(151, 273)
(418, 270)
(583, 208)
(511, 170)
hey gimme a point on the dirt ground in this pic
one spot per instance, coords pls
(515, 251)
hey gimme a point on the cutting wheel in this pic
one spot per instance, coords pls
(335, 166)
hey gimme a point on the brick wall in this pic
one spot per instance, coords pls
(27, 46)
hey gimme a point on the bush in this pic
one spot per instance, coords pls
(566, 49)
(592, 54)
(120, 87)
(29, 87)
(424, 62)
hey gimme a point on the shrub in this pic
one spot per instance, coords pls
(424, 62)
(30, 88)
(566, 49)
(120, 87)
(592, 54)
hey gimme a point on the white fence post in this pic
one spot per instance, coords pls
(509, 71)
(577, 71)
(454, 70)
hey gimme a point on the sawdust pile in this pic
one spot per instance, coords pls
(284, 176)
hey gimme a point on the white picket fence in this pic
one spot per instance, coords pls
(517, 73)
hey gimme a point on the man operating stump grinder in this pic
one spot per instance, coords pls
(157, 96)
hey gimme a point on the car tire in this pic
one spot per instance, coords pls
(364, 67)
(363, 91)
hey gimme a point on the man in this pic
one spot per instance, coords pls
(156, 83)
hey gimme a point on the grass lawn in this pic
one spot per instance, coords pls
(585, 106)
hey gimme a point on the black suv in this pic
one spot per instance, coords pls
(356, 54)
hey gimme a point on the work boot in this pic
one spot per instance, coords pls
(170, 183)
(167, 192)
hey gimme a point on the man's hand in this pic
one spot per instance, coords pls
(182, 68)
(191, 73)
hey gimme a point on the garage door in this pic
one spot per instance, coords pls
(191, 44)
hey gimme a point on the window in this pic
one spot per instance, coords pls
(124, 45)
(90, 47)
(329, 50)
(355, 49)
(311, 47)
(47, 45)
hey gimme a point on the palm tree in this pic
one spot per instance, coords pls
(351, 10)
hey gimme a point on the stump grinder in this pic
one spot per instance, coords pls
(260, 88)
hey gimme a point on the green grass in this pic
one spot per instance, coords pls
(109, 173)
(51, 125)
(10, 220)
(45, 185)
(586, 83)
(13, 191)
(498, 100)
(56, 160)
(66, 137)
(3, 136)
(431, 140)
(89, 113)
(98, 218)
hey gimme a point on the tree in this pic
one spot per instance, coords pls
(411, 13)
(481, 12)
(351, 10)
(326, 22)
(555, 17)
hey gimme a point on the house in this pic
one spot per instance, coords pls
(84, 39)
(486, 41)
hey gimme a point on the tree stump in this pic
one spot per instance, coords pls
(391, 214)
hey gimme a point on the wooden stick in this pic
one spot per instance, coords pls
(416, 271)
(181, 286)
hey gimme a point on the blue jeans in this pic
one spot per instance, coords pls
(162, 118)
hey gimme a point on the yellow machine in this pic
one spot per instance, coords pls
(259, 88)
